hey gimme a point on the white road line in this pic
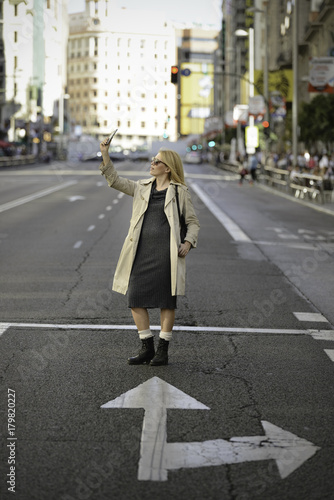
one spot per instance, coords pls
(323, 335)
(115, 202)
(101, 216)
(204, 329)
(330, 353)
(120, 195)
(35, 196)
(108, 208)
(231, 227)
(91, 228)
(77, 244)
(312, 317)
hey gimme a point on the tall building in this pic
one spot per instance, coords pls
(119, 64)
(33, 65)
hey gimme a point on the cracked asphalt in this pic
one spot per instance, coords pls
(239, 348)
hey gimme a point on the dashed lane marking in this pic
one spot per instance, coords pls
(77, 244)
(311, 317)
(91, 228)
(330, 353)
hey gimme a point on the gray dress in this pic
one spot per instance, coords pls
(150, 280)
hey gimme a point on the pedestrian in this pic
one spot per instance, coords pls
(253, 167)
(151, 267)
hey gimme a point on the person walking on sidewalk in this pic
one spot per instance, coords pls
(151, 266)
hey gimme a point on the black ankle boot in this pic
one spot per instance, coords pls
(145, 354)
(161, 356)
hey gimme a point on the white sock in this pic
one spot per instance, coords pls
(166, 335)
(145, 334)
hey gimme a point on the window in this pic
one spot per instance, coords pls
(142, 124)
(15, 10)
(129, 123)
(15, 36)
(94, 93)
(142, 44)
(129, 42)
(118, 123)
(15, 62)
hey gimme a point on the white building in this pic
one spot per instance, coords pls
(35, 34)
(119, 64)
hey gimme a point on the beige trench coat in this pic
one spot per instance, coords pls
(140, 190)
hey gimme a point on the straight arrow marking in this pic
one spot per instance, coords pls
(157, 456)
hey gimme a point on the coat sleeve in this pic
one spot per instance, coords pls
(127, 186)
(191, 220)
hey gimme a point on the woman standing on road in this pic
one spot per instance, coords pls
(151, 267)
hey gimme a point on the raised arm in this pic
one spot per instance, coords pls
(107, 168)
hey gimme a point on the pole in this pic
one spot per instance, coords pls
(295, 84)
(251, 69)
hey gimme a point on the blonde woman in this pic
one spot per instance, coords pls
(151, 266)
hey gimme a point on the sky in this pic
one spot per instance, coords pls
(199, 11)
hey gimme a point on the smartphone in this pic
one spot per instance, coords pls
(111, 136)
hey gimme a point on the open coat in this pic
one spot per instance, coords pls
(141, 190)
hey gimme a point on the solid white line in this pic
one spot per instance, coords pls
(77, 244)
(35, 196)
(314, 317)
(330, 353)
(204, 329)
(231, 227)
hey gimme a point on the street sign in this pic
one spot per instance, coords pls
(186, 72)
(252, 137)
(157, 456)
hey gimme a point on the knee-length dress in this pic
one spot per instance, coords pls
(150, 279)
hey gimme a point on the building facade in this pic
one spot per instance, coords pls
(119, 65)
(33, 65)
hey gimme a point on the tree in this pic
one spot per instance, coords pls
(316, 120)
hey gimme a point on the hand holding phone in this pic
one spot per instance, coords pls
(108, 141)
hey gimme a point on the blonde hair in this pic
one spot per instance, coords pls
(173, 161)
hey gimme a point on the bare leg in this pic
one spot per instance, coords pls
(167, 318)
(141, 318)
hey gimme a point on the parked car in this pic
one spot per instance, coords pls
(194, 157)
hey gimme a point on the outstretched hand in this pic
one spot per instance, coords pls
(184, 248)
(104, 146)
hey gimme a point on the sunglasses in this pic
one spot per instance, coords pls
(156, 161)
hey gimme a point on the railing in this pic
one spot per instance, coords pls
(303, 186)
(13, 161)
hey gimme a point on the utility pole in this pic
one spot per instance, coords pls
(295, 83)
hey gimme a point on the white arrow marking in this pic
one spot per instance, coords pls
(75, 198)
(157, 456)
(155, 396)
(289, 451)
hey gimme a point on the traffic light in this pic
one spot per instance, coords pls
(174, 73)
(266, 128)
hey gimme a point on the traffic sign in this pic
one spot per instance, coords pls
(157, 456)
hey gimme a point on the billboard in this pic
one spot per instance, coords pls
(321, 75)
(196, 89)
